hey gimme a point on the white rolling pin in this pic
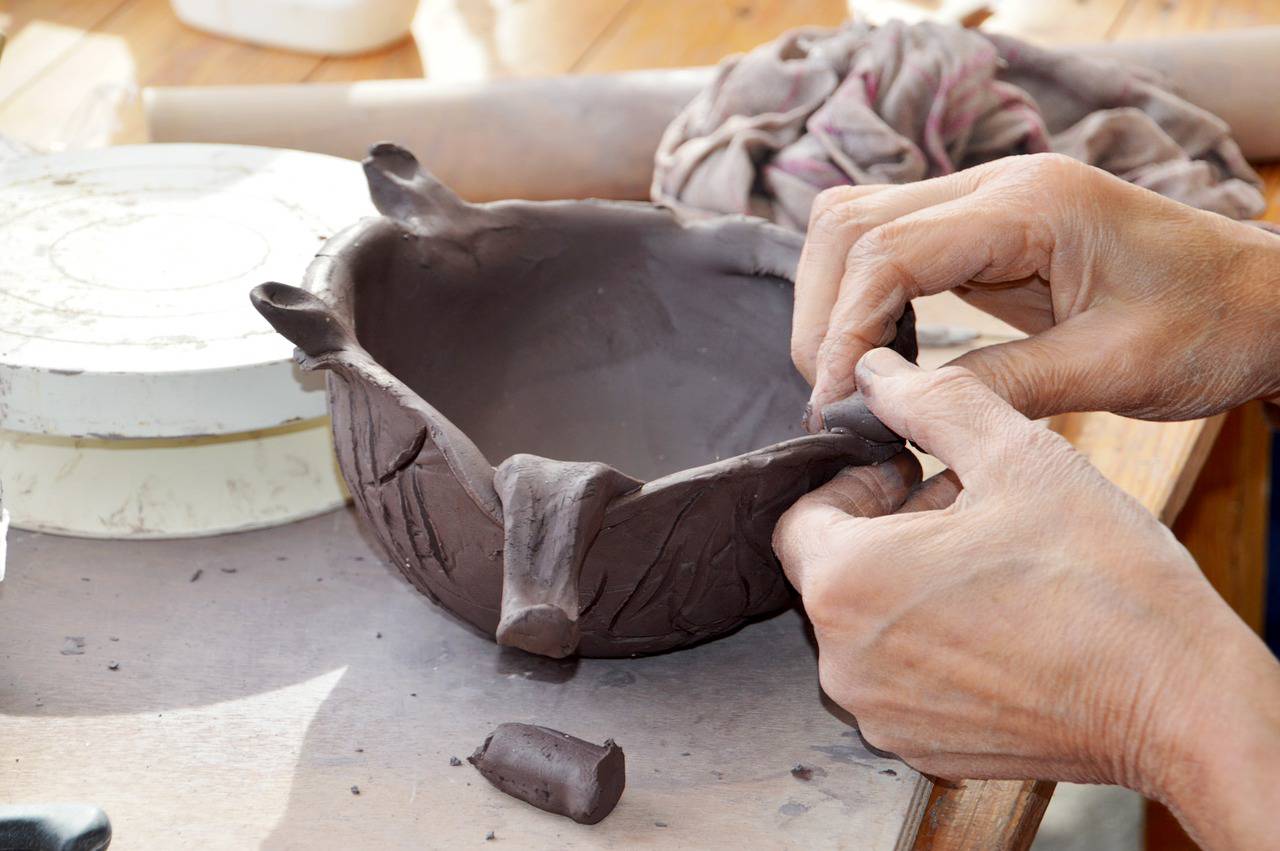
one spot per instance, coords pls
(576, 136)
(1232, 73)
(557, 137)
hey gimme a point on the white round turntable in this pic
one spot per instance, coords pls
(140, 393)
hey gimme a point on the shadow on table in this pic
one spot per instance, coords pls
(246, 615)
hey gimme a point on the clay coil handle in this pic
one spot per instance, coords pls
(303, 318)
(552, 512)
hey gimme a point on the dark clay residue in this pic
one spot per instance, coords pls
(628, 375)
(553, 771)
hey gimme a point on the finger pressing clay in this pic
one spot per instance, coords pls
(851, 415)
(553, 771)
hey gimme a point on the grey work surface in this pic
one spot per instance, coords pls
(246, 705)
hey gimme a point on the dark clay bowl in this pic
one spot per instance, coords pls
(648, 355)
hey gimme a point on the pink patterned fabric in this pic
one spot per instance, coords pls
(897, 103)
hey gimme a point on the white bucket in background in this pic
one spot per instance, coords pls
(334, 27)
(141, 395)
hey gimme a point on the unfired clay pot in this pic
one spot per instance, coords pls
(647, 356)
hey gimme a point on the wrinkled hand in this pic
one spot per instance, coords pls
(1021, 617)
(1137, 304)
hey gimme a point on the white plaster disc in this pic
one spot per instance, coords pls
(169, 487)
(125, 278)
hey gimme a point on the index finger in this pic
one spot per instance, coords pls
(842, 216)
(939, 248)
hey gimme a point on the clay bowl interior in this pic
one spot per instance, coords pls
(573, 424)
(582, 336)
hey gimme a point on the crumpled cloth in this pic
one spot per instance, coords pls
(898, 103)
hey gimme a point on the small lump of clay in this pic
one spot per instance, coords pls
(851, 415)
(553, 771)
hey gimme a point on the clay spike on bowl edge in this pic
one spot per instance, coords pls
(401, 189)
(302, 318)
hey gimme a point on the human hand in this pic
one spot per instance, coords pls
(1136, 304)
(1021, 617)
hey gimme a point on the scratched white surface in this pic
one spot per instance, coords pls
(125, 282)
(169, 488)
(246, 704)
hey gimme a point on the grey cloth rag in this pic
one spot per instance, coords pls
(898, 103)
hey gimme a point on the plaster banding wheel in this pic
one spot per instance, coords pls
(130, 352)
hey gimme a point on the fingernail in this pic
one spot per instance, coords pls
(885, 362)
(812, 420)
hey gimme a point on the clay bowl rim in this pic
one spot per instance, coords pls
(334, 263)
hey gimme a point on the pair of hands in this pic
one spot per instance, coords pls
(1018, 615)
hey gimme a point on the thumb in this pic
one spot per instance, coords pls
(949, 413)
(868, 491)
(1073, 366)
(805, 536)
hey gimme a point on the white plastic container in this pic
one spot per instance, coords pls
(332, 27)
(141, 395)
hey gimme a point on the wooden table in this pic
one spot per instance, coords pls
(72, 68)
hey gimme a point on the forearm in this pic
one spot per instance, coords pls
(1225, 787)
(1261, 259)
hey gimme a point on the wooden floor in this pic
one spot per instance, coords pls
(72, 70)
